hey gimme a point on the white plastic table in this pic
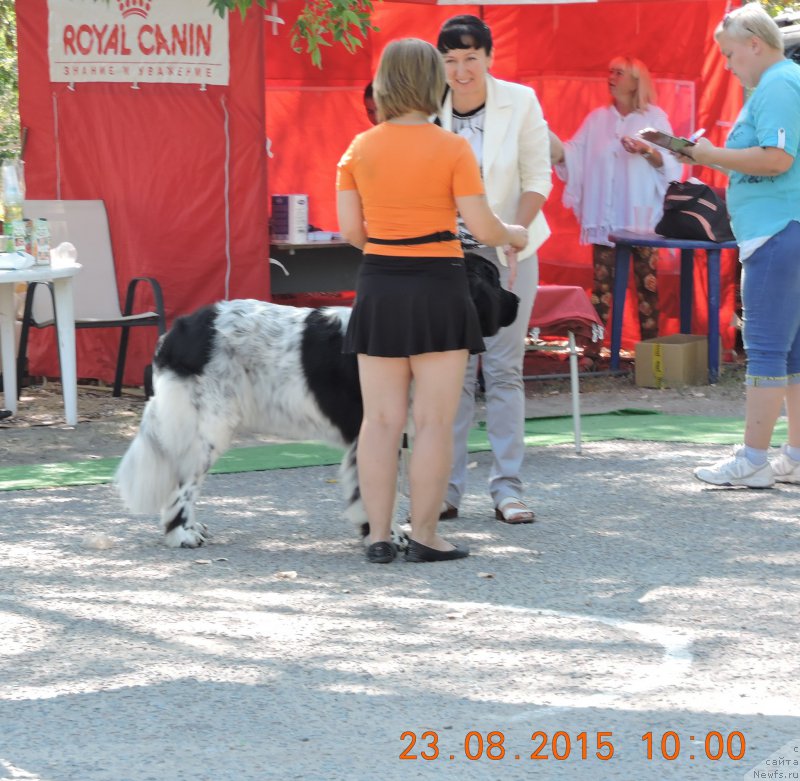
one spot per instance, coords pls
(61, 277)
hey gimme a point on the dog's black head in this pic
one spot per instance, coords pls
(497, 307)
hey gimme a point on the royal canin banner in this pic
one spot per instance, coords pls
(165, 41)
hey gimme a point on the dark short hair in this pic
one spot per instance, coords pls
(464, 32)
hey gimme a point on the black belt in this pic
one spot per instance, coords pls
(427, 239)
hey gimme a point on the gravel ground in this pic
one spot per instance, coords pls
(640, 602)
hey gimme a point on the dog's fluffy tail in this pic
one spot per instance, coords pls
(151, 469)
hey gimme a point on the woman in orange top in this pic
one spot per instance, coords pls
(399, 187)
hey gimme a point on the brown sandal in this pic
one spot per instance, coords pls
(513, 511)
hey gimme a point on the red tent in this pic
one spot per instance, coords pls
(562, 51)
(180, 166)
(184, 169)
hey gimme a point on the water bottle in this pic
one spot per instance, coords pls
(13, 197)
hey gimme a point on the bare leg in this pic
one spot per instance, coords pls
(384, 389)
(438, 379)
(762, 408)
(793, 413)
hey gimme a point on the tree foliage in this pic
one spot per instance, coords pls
(321, 23)
(9, 85)
(778, 7)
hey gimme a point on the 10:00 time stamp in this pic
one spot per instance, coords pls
(561, 746)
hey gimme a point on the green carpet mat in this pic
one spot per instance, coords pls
(630, 424)
(101, 470)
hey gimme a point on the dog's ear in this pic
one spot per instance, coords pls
(186, 348)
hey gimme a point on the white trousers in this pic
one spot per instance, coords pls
(505, 394)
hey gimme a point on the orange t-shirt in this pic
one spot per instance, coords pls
(408, 177)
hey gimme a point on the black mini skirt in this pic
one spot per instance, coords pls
(409, 306)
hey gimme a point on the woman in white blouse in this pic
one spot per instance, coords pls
(613, 178)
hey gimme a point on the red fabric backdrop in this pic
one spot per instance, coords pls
(157, 157)
(562, 51)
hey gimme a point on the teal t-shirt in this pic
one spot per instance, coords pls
(764, 205)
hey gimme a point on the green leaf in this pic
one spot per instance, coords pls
(320, 23)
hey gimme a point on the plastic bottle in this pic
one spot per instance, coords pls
(13, 197)
(41, 242)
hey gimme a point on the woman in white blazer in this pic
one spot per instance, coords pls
(508, 133)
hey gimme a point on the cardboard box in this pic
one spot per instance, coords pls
(290, 218)
(672, 361)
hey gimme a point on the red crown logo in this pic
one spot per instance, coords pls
(134, 7)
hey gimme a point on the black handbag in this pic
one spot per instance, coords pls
(692, 210)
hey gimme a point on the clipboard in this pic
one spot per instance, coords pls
(666, 141)
(675, 144)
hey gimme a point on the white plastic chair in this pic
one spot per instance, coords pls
(97, 301)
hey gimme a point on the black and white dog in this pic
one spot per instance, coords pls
(250, 366)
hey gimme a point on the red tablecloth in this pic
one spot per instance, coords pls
(561, 308)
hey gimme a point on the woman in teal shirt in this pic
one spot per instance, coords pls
(764, 202)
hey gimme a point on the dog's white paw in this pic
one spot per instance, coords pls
(400, 539)
(187, 537)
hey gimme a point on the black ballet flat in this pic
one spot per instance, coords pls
(5, 413)
(417, 552)
(381, 552)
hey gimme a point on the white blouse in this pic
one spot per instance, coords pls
(604, 182)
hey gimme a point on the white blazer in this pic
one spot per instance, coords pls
(516, 153)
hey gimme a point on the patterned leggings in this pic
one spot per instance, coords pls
(644, 271)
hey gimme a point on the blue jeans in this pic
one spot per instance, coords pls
(771, 310)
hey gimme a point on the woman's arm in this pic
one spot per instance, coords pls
(486, 227)
(556, 148)
(771, 110)
(755, 160)
(535, 171)
(570, 167)
(530, 204)
(351, 217)
(636, 146)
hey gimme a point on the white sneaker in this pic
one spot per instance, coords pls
(737, 470)
(785, 468)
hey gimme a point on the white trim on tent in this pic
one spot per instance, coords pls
(227, 196)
